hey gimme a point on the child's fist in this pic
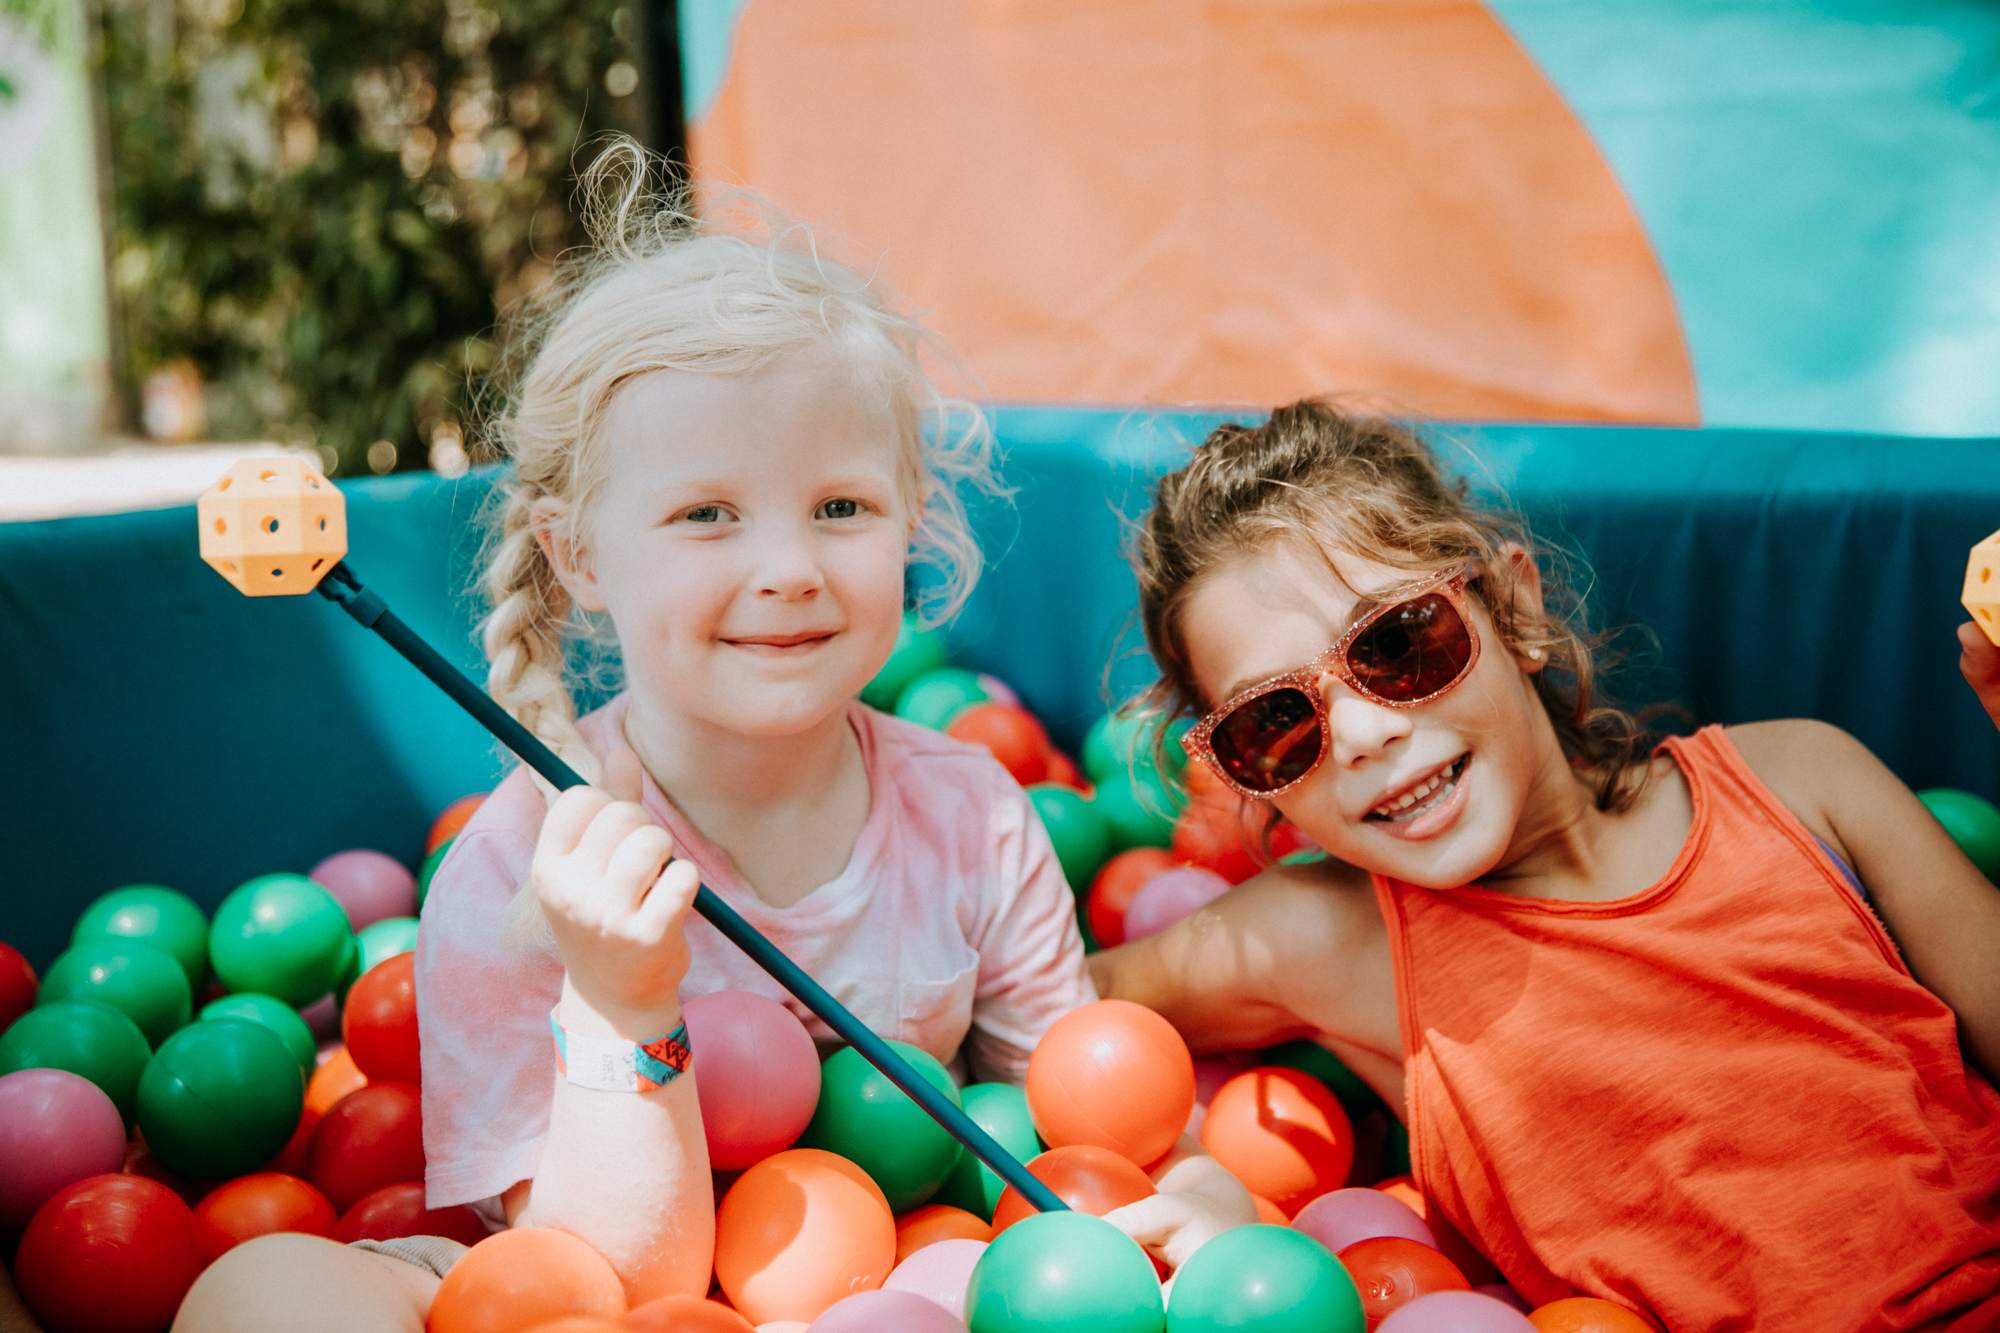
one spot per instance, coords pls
(616, 901)
(1980, 661)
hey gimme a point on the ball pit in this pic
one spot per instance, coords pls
(219, 1098)
(934, 1223)
(150, 914)
(1343, 1217)
(141, 982)
(871, 1122)
(1265, 1277)
(1089, 1179)
(1391, 1272)
(283, 1021)
(56, 1128)
(370, 886)
(939, 1273)
(280, 935)
(1064, 1273)
(1281, 1133)
(1115, 1075)
(398, 1210)
(798, 1231)
(372, 1137)
(100, 1044)
(1170, 896)
(760, 1076)
(378, 1022)
(1001, 1109)
(112, 1253)
(1112, 889)
(383, 940)
(517, 1279)
(257, 1205)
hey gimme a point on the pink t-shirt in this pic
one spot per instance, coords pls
(951, 920)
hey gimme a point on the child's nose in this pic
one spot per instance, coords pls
(1362, 729)
(789, 571)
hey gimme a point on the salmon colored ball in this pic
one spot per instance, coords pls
(798, 1231)
(1586, 1314)
(1010, 733)
(517, 1279)
(685, 1314)
(1281, 1133)
(935, 1222)
(1116, 885)
(1114, 1075)
(1392, 1271)
(1089, 1179)
(453, 818)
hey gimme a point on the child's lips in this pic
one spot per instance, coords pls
(781, 645)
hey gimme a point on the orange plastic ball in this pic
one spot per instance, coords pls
(1088, 1179)
(1220, 831)
(1270, 1212)
(935, 1222)
(1062, 771)
(1117, 883)
(517, 1279)
(1587, 1314)
(1392, 1271)
(378, 1024)
(1478, 1269)
(1011, 733)
(798, 1231)
(1115, 1075)
(1281, 1133)
(453, 818)
(257, 1205)
(685, 1314)
(336, 1076)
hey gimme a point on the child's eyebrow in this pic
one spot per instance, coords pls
(1361, 608)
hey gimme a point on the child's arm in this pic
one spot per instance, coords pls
(1943, 913)
(1980, 661)
(626, 1171)
(1239, 973)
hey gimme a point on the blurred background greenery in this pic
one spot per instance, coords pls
(317, 210)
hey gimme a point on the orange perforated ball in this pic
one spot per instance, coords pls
(523, 1277)
(798, 1231)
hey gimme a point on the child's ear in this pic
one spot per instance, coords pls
(566, 555)
(1521, 582)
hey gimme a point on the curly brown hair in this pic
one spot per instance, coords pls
(1372, 487)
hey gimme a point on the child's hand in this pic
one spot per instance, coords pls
(1981, 664)
(1198, 1201)
(616, 903)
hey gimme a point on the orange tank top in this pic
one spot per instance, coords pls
(1722, 1101)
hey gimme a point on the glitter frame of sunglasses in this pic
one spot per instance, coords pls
(1199, 742)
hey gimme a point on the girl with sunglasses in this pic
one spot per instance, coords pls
(725, 452)
(1651, 1037)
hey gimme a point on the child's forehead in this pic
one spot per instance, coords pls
(1301, 578)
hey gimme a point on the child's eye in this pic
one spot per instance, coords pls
(703, 514)
(839, 508)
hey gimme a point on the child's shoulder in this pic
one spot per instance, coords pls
(1813, 767)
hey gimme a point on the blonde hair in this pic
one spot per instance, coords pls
(658, 289)
(1371, 487)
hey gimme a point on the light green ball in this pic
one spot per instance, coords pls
(281, 935)
(1001, 1109)
(385, 939)
(284, 1022)
(1120, 742)
(151, 914)
(1264, 1277)
(1973, 824)
(1079, 832)
(936, 697)
(916, 652)
(1064, 1273)
(1138, 808)
(141, 982)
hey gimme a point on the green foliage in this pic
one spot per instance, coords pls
(325, 205)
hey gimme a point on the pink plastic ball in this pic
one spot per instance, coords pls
(1456, 1312)
(1343, 1217)
(1210, 1073)
(323, 1017)
(999, 691)
(873, 1311)
(369, 886)
(56, 1128)
(1169, 896)
(939, 1273)
(759, 1078)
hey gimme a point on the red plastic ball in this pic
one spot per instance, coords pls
(1116, 885)
(1089, 1180)
(1011, 733)
(1392, 1271)
(257, 1205)
(1062, 771)
(1220, 831)
(374, 1136)
(453, 818)
(379, 1021)
(18, 985)
(398, 1210)
(112, 1254)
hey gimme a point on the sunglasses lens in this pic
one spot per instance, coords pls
(1414, 651)
(1269, 742)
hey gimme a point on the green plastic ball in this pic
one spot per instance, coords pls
(1081, 836)
(89, 1040)
(1064, 1273)
(151, 914)
(430, 868)
(141, 982)
(1001, 1109)
(916, 652)
(1972, 822)
(936, 697)
(385, 939)
(284, 1022)
(1264, 1278)
(220, 1098)
(1121, 742)
(1138, 809)
(871, 1122)
(280, 935)
(349, 970)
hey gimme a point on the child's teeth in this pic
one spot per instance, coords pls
(1417, 795)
